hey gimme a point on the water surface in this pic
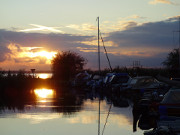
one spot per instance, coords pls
(45, 111)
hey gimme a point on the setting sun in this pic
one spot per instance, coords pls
(43, 54)
(31, 55)
(48, 55)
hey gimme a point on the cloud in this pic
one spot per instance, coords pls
(31, 55)
(148, 42)
(133, 17)
(148, 35)
(50, 41)
(16, 48)
(154, 2)
(122, 23)
(123, 60)
(42, 28)
(81, 29)
(106, 26)
(174, 18)
(4, 51)
(74, 26)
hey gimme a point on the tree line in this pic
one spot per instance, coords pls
(66, 65)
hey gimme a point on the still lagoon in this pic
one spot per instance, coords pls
(46, 111)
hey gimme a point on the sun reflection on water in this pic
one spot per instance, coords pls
(43, 76)
(44, 95)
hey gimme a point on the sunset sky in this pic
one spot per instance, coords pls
(33, 31)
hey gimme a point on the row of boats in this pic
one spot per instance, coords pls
(158, 98)
(117, 82)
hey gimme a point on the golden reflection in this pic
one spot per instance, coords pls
(44, 93)
(118, 116)
(43, 76)
(43, 101)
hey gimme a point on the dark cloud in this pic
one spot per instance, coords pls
(123, 60)
(157, 35)
(61, 42)
(3, 53)
(154, 35)
(3, 48)
(52, 40)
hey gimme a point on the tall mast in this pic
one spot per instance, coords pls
(179, 44)
(98, 47)
(99, 118)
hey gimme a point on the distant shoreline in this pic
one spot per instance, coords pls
(24, 71)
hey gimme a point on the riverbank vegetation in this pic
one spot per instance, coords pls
(66, 65)
(21, 80)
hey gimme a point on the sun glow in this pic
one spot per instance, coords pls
(31, 54)
(48, 55)
(43, 54)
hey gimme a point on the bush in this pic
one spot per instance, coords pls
(66, 65)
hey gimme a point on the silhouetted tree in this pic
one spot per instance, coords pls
(172, 63)
(66, 65)
(172, 60)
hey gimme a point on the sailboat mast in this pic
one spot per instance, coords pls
(98, 48)
(99, 118)
(99, 74)
(179, 44)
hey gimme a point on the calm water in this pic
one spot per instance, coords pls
(44, 111)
